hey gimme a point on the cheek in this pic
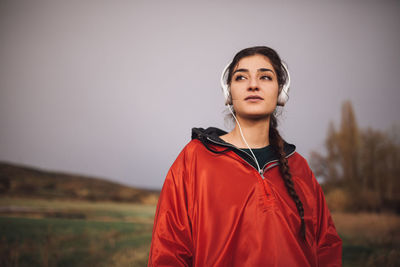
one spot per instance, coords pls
(276, 93)
(276, 90)
(235, 92)
(272, 93)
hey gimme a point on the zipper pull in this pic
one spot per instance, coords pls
(261, 172)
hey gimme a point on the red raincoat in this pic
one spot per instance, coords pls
(217, 210)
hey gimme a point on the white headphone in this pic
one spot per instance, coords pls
(283, 95)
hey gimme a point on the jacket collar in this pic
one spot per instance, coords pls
(211, 136)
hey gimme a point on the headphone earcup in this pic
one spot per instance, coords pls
(225, 86)
(283, 96)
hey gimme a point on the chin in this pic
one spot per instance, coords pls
(255, 116)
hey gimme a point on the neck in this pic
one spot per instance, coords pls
(256, 133)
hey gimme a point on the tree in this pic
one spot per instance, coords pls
(365, 164)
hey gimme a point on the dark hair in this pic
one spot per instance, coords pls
(275, 139)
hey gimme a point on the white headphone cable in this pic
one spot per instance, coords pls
(241, 133)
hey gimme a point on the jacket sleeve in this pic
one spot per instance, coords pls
(171, 243)
(329, 244)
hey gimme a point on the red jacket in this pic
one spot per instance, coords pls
(217, 210)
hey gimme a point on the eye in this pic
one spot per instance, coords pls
(239, 77)
(266, 77)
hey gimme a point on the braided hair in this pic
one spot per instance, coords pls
(275, 138)
(276, 142)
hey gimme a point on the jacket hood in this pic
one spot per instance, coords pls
(211, 132)
(211, 136)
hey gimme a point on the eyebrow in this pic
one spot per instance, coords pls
(259, 70)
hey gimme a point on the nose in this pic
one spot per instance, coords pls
(253, 85)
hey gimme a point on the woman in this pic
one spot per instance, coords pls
(244, 198)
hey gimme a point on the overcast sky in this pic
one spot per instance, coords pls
(113, 88)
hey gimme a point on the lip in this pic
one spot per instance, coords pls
(254, 97)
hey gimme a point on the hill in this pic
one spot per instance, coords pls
(23, 181)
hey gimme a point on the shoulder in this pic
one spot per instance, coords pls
(193, 146)
(183, 170)
(191, 149)
(299, 164)
(302, 172)
(189, 153)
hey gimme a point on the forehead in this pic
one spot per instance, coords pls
(254, 62)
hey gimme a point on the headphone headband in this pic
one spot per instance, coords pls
(283, 96)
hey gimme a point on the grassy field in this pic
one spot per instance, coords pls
(36, 232)
(74, 233)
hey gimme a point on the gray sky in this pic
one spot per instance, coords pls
(113, 88)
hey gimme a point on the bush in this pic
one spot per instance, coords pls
(338, 200)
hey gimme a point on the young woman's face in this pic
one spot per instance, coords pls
(254, 87)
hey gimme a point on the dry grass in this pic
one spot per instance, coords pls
(99, 210)
(130, 257)
(377, 229)
(369, 239)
